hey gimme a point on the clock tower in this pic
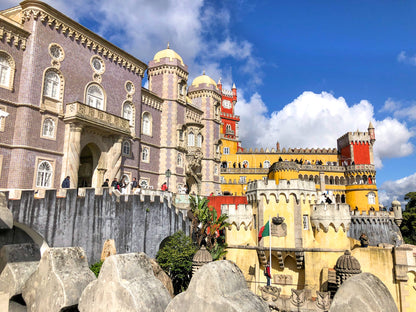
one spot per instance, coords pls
(229, 126)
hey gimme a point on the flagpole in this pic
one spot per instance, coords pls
(270, 244)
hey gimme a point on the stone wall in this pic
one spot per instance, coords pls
(137, 223)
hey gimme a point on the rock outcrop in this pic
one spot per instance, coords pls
(162, 276)
(59, 280)
(363, 292)
(126, 283)
(17, 263)
(218, 286)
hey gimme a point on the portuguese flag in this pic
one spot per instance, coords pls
(264, 231)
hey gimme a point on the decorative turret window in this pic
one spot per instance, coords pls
(199, 140)
(371, 198)
(145, 154)
(226, 151)
(191, 139)
(266, 164)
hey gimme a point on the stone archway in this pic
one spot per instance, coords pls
(88, 173)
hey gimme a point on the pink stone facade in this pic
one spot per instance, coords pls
(87, 142)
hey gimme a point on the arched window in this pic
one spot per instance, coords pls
(147, 124)
(44, 174)
(145, 154)
(48, 128)
(228, 128)
(180, 159)
(266, 164)
(199, 140)
(95, 96)
(5, 70)
(126, 148)
(371, 198)
(245, 164)
(128, 113)
(51, 85)
(191, 139)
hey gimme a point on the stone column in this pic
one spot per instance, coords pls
(114, 159)
(322, 181)
(72, 153)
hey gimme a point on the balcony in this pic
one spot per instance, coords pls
(95, 118)
(245, 170)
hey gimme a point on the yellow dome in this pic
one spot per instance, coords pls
(204, 79)
(167, 53)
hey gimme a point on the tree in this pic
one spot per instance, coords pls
(408, 226)
(175, 258)
(207, 227)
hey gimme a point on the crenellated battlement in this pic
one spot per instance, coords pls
(242, 215)
(325, 215)
(323, 151)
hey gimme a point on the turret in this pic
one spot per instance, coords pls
(234, 89)
(397, 209)
(372, 133)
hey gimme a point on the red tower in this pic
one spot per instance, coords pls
(228, 118)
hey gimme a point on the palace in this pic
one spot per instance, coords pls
(72, 104)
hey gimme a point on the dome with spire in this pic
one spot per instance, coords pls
(203, 79)
(169, 53)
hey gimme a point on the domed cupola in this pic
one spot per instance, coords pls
(346, 266)
(201, 257)
(204, 79)
(167, 53)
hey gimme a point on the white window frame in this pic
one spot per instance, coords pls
(266, 164)
(128, 112)
(48, 128)
(371, 198)
(44, 177)
(180, 160)
(126, 148)
(3, 119)
(147, 123)
(145, 154)
(52, 85)
(199, 140)
(305, 222)
(5, 71)
(191, 139)
(93, 99)
(226, 151)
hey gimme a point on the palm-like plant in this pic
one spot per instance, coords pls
(206, 225)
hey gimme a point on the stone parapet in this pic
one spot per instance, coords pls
(242, 215)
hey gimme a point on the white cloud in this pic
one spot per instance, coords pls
(317, 120)
(391, 105)
(403, 58)
(391, 190)
(400, 109)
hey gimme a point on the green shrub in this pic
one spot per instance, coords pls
(96, 267)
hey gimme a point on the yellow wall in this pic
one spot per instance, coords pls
(356, 196)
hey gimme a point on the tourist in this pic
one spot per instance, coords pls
(267, 273)
(105, 184)
(115, 184)
(134, 184)
(164, 187)
(66, 182)
(364, 240)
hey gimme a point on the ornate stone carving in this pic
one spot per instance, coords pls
(279, 228)
(323, 300)
(298, 297)
(283, 279)
(270, 293)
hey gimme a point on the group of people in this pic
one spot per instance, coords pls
(123, 186)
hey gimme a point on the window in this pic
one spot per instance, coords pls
(48, 128)
(228, 129)
(3, 115)
(226, 151)
(191, 139)
(147, 124)
(95, 96)
(126, 148)
(266, 164)
(5, 70)
(180, 159)
(128, 113)
(305, 222)
(129, 87)
(181, 135)
(242, 180)
(245, 164)
(144, 183)
(199, 140)
(371, 198)
(145, 154)
(97, 65)
(44, 174)
(51, 85)
(216, 170)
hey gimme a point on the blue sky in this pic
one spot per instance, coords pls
(306, 71)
